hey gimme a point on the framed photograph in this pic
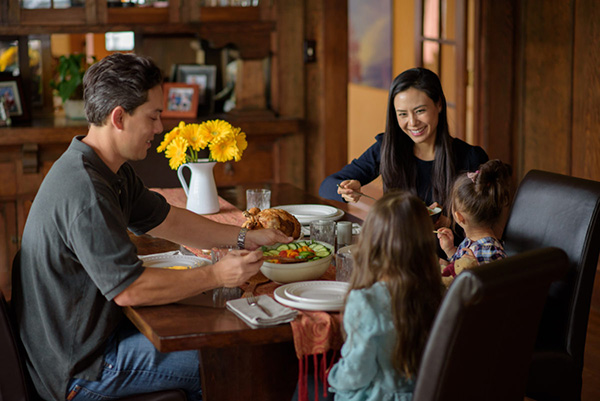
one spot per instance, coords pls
(205, 76)
(180, 100)
(11, 90)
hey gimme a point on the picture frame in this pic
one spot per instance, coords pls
(205, 76)
(180, 100)
(11, 89)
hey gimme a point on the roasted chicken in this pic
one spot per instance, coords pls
(273, 218)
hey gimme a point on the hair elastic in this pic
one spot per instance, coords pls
(473, 176)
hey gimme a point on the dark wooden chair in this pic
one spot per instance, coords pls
(14, 382)
(561, 211)
(482, 339)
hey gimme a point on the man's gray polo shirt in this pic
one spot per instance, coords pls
(76, 256)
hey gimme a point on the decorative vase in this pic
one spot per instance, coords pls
(202, 197)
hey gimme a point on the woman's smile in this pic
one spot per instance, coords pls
(417, 116)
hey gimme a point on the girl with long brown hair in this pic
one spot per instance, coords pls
(395, 291)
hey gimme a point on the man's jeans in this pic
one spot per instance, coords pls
(133, 366)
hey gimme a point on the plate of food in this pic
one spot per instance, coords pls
(434, 211)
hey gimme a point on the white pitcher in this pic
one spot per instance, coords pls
(202, 197)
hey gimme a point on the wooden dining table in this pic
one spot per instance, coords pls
(236, 362)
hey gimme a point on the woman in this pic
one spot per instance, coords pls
(416, 152)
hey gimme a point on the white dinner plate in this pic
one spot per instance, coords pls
(317, 291)
(307, 213)
(167, 260)
(282, 298)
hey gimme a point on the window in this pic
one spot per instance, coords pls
(441, 46)
(119, 41)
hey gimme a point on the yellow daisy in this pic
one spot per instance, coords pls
(169, 136)
(218, 128)
(241, 143)
(224, 148)
(204, 135)
(176, 152)
(192, 134)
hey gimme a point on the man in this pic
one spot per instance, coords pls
(78, 266)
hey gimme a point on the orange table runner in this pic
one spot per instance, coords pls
(228, 213)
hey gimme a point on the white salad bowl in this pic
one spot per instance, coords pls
(301, 271)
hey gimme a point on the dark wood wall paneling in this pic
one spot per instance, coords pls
(495, 36)
(288, 75)
(586, 91)
(547, 92)
(326, 90)
(538, 71)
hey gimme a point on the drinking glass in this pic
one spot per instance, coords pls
(323, 230)
(223, 294)
(344, 233)
(260, 198)
(344, 263)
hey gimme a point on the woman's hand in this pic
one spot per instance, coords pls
(347, 189)
(446, 238)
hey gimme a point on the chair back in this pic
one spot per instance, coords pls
(12, 380)
(551, 209)
(482, 339)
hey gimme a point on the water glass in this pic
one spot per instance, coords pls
(223, 294)
(323, 230)
(344, 262)
(344, 233)
(260, 198)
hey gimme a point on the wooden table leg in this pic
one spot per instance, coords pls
(259, 372)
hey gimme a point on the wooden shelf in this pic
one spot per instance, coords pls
(62, 130)
(192, 28)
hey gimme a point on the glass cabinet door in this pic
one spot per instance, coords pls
(55, 4)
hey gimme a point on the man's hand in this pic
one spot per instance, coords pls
(347, 189)
(235, 268)
(265, 236)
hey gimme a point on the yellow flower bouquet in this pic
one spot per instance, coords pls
(182, 144)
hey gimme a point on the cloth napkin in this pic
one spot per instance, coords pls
(255, 317)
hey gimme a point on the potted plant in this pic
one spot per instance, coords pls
(69, 83)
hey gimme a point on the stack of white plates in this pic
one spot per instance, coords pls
(307, 213)
(173, 260)
(313, 295)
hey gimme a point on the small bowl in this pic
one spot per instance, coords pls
(291, 272)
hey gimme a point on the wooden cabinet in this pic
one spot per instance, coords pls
(262, 103)
(269, 108)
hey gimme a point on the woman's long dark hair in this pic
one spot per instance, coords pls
(398, 165)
